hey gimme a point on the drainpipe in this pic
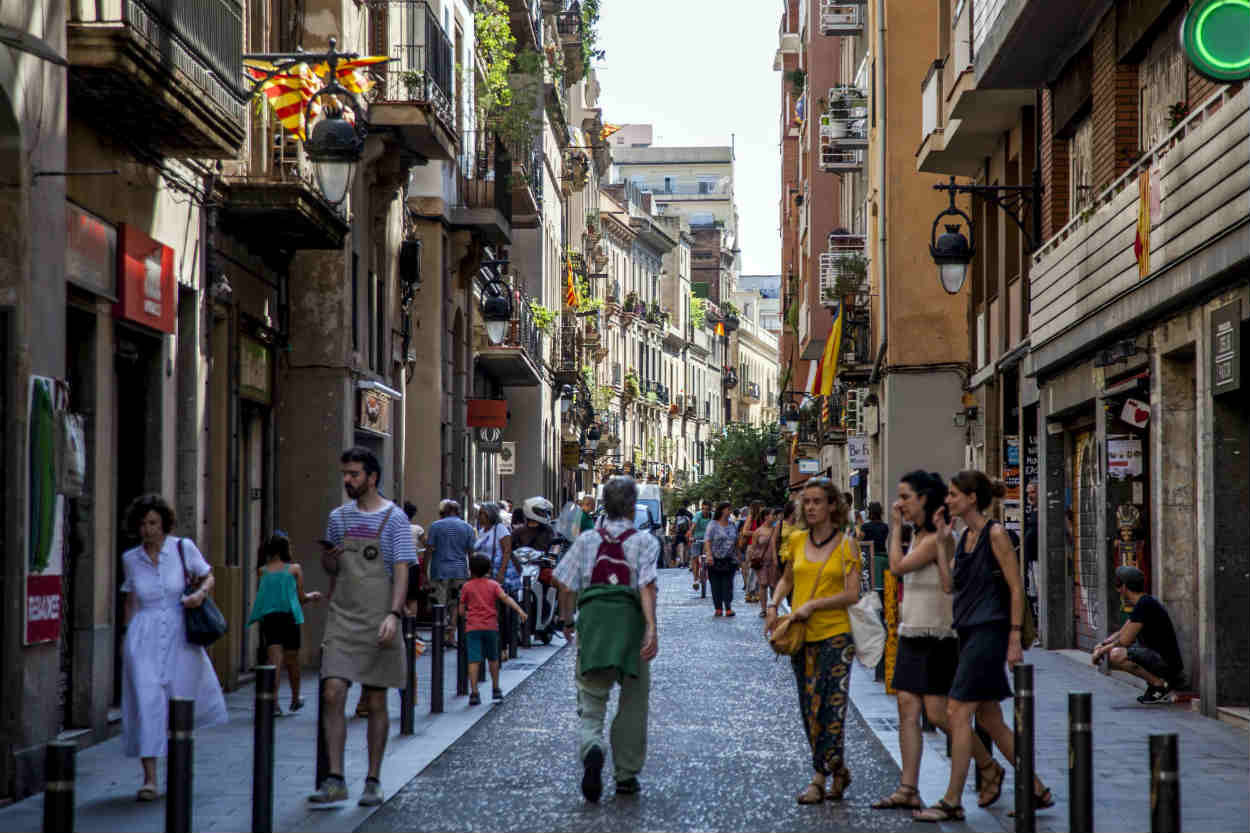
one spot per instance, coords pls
(883, 429)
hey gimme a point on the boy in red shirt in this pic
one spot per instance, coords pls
(481, 623)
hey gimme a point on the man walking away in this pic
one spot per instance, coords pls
(1146, 646)
(610, 572)
(368, 551)
(449, 543)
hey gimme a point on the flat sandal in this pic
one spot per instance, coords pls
(807, 797)
(904, 797)
(944, 811)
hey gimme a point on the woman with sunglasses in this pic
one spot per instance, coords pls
(823, 572)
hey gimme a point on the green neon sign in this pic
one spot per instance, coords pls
(1216, 37)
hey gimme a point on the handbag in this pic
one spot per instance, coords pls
(1028, 625)
(204, 624)
(867, 630)
(790, 634)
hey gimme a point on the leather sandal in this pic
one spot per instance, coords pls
(147, 793)
(1041, 801)
(905, 797)
(840, 781)
(992, 784)
(939, 812)
(814, 794)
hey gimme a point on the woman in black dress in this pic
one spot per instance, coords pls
(988, 610)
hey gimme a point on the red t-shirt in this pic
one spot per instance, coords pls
(477, 603)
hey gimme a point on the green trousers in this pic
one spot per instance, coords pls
(629, 727)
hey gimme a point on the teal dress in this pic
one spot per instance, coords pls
(277, 593)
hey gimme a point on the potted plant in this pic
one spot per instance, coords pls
(413, 81)
(731, 317)
(631, 384)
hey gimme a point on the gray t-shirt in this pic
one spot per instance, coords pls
(447, 541)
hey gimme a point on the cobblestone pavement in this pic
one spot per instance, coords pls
(726, 749)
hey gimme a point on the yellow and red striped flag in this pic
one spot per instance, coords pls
(288, 92)
(1141, 242)
(829, 363)
(351, 74)
(570, 288)
(608, 130)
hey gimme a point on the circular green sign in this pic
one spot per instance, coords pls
(1216, 37)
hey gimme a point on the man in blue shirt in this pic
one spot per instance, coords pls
(449, 543)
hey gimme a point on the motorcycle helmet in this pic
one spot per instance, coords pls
(538, 509)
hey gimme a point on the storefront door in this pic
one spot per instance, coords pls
(1088, 615)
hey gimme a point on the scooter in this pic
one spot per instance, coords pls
(542, 603)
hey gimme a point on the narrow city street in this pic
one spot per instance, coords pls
(725, 747)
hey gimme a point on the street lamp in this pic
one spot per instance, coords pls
(952, 252)
(334, 148)
(790, 419)
(497, 310)
(592, 438)
(770, 456)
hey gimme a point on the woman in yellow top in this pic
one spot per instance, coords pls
(823, 571)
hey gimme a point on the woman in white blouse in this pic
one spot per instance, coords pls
(158, 661)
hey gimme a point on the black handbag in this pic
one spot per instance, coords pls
(204, 624)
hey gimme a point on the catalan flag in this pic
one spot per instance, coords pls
(1141, 242)
(829, 362)
(570, 288)
(608, 130)
(288, 91)
(352, 74)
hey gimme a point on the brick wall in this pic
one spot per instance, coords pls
(1055, 168)
(1114, 91)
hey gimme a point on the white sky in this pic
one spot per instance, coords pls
(701, 71)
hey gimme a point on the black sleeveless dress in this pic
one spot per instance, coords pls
(982, 618)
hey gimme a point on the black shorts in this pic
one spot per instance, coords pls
(280, 629)
(926, 665)
(1149, 659)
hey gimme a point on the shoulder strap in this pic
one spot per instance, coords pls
(385, 518)
(186, 579)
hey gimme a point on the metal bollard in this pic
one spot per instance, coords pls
(501, 616)
(514, 622)
(1165, 785)
(436, 660)
(1080, 762)
(323, 749)
(527, 628)
(58, 789)
(408, 696)
(1025, 820)
(178, 776)
(262, 749)
(462, 659)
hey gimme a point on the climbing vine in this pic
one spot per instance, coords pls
(698, 311)
(590, 35)
(508, 95)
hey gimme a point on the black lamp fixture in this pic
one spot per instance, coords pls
(790, 419)
(952, 252)
(770, 456)
(566, 398)
(592, 438)
(335, 144)
(496, 301)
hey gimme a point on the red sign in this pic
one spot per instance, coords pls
(146, 290)
(488, 413)
(43, 609)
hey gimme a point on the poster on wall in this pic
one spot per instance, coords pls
(507, 458)
(1011, 466)
(1124, 457)
(46, 509)
(857, 452)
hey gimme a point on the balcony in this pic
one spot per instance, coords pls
(1086, 287)
(569, 30)
(839, 160)
(844, 271)
(1023, 45)
(278, 207)
(526, 17)
(517, 362)
(567, 350)
(845, 123)
(841, 18)
(484, 197)
(162, 72)
(856, 358)
(527, 189)
(413, 96)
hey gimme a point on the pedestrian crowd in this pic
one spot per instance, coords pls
(964, 617)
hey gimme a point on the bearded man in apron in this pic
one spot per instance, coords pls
(368, 552)
(611, 574)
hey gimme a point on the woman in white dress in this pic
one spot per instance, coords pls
(158, 661)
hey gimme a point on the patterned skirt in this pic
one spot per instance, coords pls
(822, 671)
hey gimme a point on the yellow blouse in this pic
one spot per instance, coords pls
(845, 559)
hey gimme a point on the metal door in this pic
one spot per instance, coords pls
(1088, 614)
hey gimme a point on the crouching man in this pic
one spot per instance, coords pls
(610, 573)
(1146, 646)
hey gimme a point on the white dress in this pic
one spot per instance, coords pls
(158, 662)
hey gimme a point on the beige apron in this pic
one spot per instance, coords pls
(362, 599)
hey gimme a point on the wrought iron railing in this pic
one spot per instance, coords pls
(485, 170)
(524, 332)
(422, 68)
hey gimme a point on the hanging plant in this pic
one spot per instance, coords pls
(631, 384)
(544, 317)
(1176, 114)
(797, 78)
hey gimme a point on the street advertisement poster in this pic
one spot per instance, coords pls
(507, 458)
(857, 452)
(44, 562)
(1011, 466)
(1124, 457)
(808, 465)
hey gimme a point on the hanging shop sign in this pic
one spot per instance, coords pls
(489, 440)
(1226, 349)
(1135, 412)
(857, 452)
(488, 413)
(254, 370)
(1216, 37)
(506, 464)
(46, 509)
(570, 454)
(808, 465)
(147, 293)
(90, 252)
(375, 411)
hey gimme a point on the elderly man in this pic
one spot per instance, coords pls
(449, 543)
(610, 572)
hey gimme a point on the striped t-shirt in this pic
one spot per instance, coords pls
(396, 539)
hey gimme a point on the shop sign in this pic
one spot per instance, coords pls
(253, 370)
(857, 452)
(808, 465)
(146, 289)
(570, 454)
(1124, 457)
(489, 440)
(1011, 466)
(488, 413)
(375, 411)
(90, 251)
(1226, 349)
(44, 557)
(507, 459)
(1135, 412)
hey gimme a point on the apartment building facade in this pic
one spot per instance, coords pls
(1103, 343)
